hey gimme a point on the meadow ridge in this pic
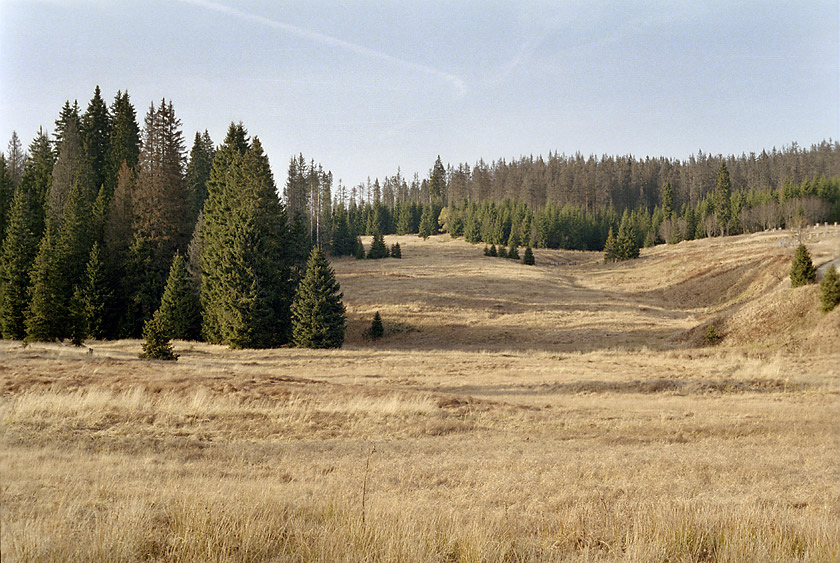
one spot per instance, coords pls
(569, 411)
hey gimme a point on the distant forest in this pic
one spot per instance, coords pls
(95, 218)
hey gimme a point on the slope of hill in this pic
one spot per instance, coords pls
(445, 294)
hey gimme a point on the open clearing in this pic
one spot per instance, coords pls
(567, 411)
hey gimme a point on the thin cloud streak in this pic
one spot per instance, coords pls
(456, 82)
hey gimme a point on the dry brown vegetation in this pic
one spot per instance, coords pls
(567, 411)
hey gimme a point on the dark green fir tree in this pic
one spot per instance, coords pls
(428, 222)
(377, 247)
(396, 251)
(246, 282)
(829, 290)
(19, 249)
(94, 295)
(157, 345)
(627, 245)
(802, 271)
(180, 306)
(722, 199)
(46, 316)
(318, 317)
(528, 258)
(376, 330)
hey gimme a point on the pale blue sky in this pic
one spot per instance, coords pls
(365, 87)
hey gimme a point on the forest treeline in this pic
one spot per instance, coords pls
(106, 219)
(108, 226)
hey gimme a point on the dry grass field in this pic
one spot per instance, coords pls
(571, 411)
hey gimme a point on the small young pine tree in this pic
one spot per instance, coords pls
(377, 248)
(610, 248)
(492, 252)
(802, 271)
(627, 246)
(396, 251)
(502, 251)
(513, 253)
(376, 329)
(428, 223)
(157, 345)
(318, 317)
(528, 259)
(830, 290)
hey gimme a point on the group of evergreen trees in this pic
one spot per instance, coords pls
(803, 272)
(108, 231)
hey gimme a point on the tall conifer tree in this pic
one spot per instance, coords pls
(198, 170)
(7, 192)
(95, 133)
(722, 199)
(19, 249)
(124, 144)
(160, 205)
(246, 279)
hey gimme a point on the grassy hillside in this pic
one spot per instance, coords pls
(567, 411)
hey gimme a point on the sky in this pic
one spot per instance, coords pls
(365, 87)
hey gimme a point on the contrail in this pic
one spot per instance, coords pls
(457, 83)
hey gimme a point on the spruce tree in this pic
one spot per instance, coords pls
(68, 114)
(342, 241)
(722, 199)
(396, 251)
(94, 295)
(95, 133)
(180, 306)
(7, 192)
(627, 246)
(157, 345)
(802, 271)
(15, 159)
(528, 259)
(247, 283)
(668, 201)
(502, 251)
(318, 316)
(198, 171)
(19, 249)
(493, 251)
(377, 247)
(376, 330)
(428, 222)
(611, 248)
(513, 253)
(160, 204)
(124, 144)
(77, 327)
(46, 316)
(37, 177)
(829, 290)
(69, 170)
